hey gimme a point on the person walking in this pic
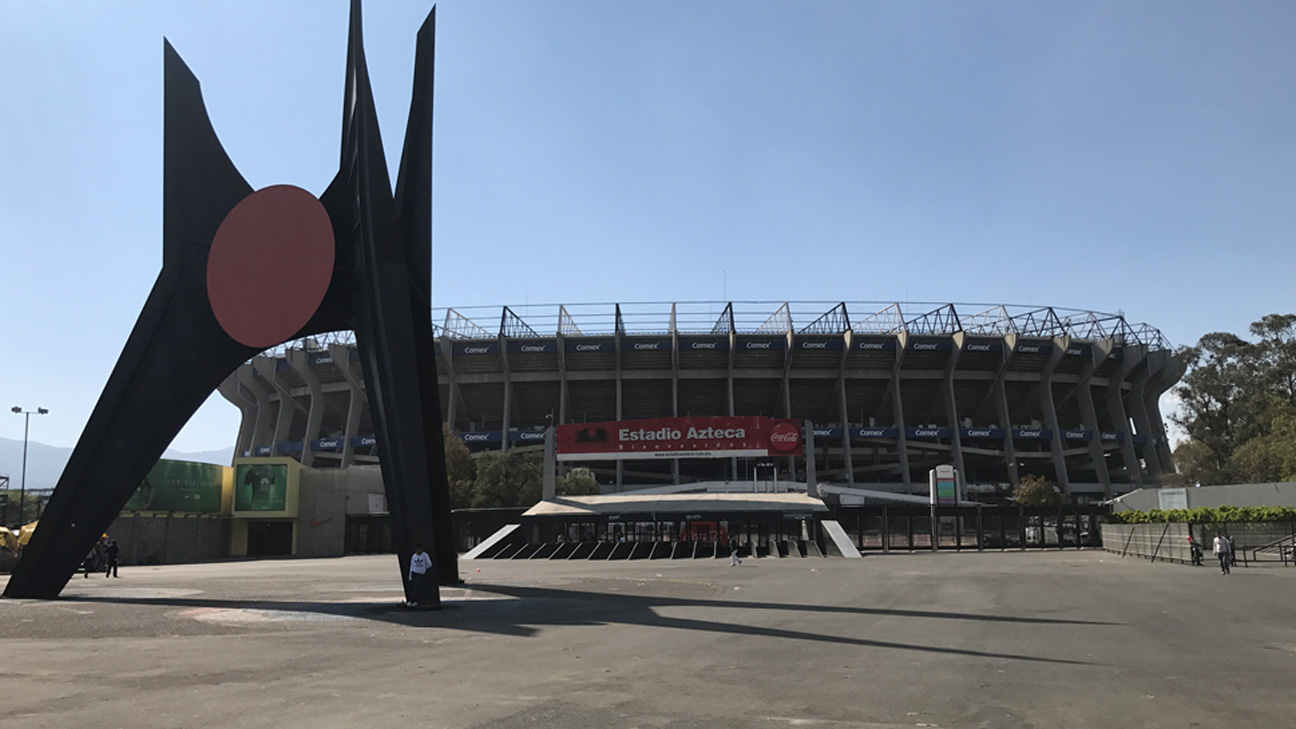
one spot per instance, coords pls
(420, 563)
(112, 553)
(734, 559)
(1223, 552)
(1195, 549)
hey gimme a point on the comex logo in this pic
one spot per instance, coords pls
(759, 345)
(705, 345)
(535, 348)
(647, 345)
(924, 345)
(476, 350)
(589, 347)
(814, 345)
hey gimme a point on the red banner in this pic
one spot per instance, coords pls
(680, 438)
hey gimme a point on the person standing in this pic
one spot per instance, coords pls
(420, 563)
(1223, 552)
(112, 552)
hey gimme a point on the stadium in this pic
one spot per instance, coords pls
(1000, 392)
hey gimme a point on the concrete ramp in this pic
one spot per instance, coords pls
(838, 540)
(491, 541)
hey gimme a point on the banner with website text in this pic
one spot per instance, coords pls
(691, 437)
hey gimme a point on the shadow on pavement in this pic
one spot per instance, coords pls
(534, 608)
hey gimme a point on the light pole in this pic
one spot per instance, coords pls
(22, 489)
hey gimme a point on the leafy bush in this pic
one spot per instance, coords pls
(1205, 515)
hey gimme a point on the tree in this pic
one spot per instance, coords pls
(461, 471)
(507, 479)
(1232, 399)
(579, 481)
(1036, 491)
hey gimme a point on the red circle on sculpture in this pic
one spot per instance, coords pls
(270, 265)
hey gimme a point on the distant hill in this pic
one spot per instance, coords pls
(45, 463)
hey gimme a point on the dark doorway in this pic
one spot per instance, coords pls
(270, 538)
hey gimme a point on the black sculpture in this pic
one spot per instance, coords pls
(357, 258)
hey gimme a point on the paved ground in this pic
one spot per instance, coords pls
(1050, 640)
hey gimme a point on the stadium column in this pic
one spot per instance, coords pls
(1170, 373)
(454, 397)
(288, 406)
(299, 361)
(620, 464)
(1001, 406)
(951, 404)
(1099, 351)
(843, 413)
(236, 394)
(729, 401)
(507, 413)
(341, 355)
(897, 412)
(1154, 363)
(674, 335)
(1047, 406)
(1132, 356)
(261, 430)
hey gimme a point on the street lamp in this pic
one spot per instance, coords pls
(22, 490)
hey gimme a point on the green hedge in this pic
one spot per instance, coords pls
(1205, 515)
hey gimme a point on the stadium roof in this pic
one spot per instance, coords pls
(780, 317)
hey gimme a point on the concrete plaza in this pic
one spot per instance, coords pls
(1045, 639)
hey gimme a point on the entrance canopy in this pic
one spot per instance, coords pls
(680, 506)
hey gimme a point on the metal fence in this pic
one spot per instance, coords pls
(1253, 541)
(910, 528)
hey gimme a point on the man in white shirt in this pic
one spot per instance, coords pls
(420, 563)
(1223, 552)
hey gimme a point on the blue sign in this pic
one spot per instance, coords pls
(293, 447)
(1112, 437)
(281, 365)
(1034, 348)
(818, 345)
(981, 433)
(526, 436)
(762, 345)
(928, 432)
(983, 347)
(1079, 350)
(364, 441)
(874, 345)
(605, 346)
(1085, 435)
(645, 345)
(245, 454)
(1032, 434)
(533, 347)
(875, 433)
(327, 444)
(483, 436)
(354, 356)
(704, 345)
(929, 345)
(828, 432)
(323, 358)
(1139, 438)
(264, 450)
(481, 347)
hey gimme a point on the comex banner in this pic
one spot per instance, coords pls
(700, 437)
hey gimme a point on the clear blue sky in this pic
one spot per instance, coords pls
(1114, 156)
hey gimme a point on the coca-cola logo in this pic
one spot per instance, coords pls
(784, 438)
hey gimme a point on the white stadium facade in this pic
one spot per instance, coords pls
(892, 390)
